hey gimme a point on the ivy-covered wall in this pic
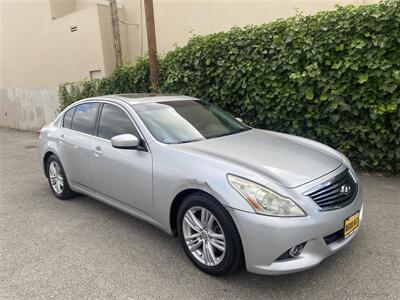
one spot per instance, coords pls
(332, 77)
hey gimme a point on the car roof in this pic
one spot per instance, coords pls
(145, 98)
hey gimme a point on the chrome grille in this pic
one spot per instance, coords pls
(335, 193)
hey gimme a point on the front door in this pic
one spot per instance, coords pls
(124, 175)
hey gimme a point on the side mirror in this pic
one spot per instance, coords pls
(239, 119)
(125, 141)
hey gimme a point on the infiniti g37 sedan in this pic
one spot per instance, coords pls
(234, 195)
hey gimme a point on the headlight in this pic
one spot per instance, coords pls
(263, 200)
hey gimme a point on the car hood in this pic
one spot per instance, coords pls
(288, 160)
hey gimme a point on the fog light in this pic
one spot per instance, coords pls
(292, 252)
(296, 250)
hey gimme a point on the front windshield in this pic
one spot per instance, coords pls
(175, 122)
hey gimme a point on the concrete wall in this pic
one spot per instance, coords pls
(40, 52)
(27, 108)
(44, 52)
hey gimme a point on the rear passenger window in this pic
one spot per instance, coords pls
(85, 116)
(114, 121)
(68, 118)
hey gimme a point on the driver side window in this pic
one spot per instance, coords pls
(114, 121)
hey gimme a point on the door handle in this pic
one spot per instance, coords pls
(97, 151)
(61, 138)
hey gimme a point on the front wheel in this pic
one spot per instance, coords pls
(209, 236)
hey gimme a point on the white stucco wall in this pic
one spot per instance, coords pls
(27, 108)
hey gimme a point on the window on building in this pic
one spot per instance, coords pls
(96, 74)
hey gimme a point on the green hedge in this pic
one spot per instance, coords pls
(126, 79)
(332, 77)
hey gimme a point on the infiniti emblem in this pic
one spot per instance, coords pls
(345, 189)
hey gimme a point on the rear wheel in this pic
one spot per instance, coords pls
(57, 179)
(208, 235)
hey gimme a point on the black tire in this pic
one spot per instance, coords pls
(66, 192)
(233, 258)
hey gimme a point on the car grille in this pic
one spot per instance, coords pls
(335, 193)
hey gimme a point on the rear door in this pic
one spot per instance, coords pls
(78, 143)
(124, 175)
(67, 149)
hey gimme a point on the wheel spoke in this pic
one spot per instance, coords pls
(194, 247)
(203, 217)
(210, 221)
(57, 169)
(217, 240)
(211, 253)
(206, 218)
(206, 254)
(217, 245)
(58, 186)
(52, 169)
(217, 236)
(195, 220)
(192, 225)
(193, 236)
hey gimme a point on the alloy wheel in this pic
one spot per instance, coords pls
(56, 178)
(204, 236)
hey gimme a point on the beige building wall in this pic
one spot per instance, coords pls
(178, 20)
(40, 48)
(59, 8)
(42, 51)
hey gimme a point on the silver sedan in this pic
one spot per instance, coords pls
(234, 195)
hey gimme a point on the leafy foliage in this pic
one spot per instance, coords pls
(332, 77)
(126, 79)
(70, 92)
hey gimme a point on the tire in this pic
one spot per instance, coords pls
(55, 173)
(216, 262)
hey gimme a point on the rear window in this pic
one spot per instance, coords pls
(68, 118)
(85, 116)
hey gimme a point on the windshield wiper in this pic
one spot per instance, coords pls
(229, 133)
(188, 141)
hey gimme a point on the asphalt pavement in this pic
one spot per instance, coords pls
(83, 249)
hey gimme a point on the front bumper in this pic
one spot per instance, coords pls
(265, 238)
